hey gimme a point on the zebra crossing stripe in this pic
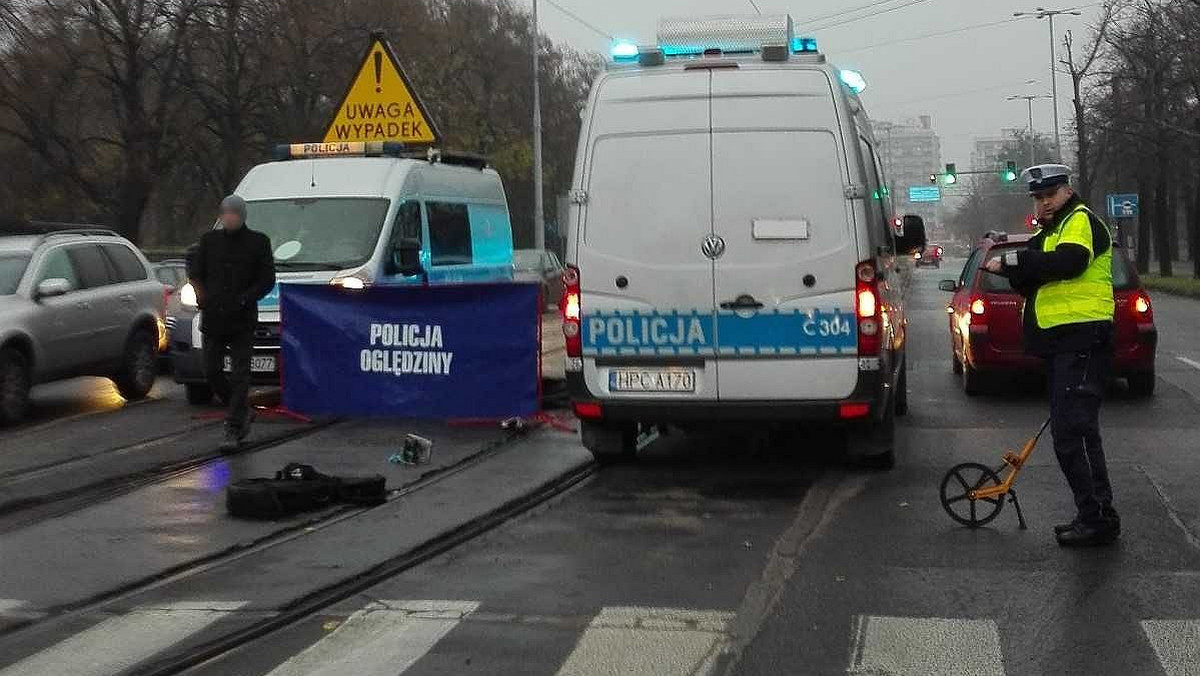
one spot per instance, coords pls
(1177, 644)
(121, 642)
(652, 641)
(925, 646)
(385, 638)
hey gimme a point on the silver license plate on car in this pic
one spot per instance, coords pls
(258, 364)
(652, 380)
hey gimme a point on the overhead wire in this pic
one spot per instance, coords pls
(581, 21)
(905, 5)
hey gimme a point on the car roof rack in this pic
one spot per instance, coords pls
(459, 158)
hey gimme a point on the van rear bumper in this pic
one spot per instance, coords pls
(658, 411)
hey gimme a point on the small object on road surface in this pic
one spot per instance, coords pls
(416, 450)
(982, 490)
(300, 488)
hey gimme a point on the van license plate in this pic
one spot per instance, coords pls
(258, 364)
(652, 380)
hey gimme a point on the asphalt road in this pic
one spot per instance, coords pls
(735, 554)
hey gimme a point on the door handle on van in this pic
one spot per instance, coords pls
(743, 302)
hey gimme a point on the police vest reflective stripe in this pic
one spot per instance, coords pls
(1086, 298)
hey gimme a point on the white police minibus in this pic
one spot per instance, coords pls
(732, 249)
(354, 215)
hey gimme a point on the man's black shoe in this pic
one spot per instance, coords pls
(1089, 536)
(1064, 527)
(230, 441)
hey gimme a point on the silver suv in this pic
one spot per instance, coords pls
(76, 303)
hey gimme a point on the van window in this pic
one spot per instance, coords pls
(129, 268)
(408, 222)
(94, 270)
(323, 233)
(877, 206)
(449, 234)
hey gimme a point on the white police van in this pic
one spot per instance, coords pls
(732, 250)
(354, 215)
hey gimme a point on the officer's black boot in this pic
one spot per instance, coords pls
(1064, 527)
(230, 440)
(1089, 535)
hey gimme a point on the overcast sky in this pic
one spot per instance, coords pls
(961, 79)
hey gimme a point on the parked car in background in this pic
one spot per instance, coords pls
(76, 303)
(930, 257)
(987, 321)
(533, 265)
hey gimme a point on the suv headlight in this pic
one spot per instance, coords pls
(187, 296)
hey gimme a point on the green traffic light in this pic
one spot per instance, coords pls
(1010, 176)
(951, 179)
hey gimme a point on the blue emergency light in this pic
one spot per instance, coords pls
(804, 45)
(624, 50)
(853, 79)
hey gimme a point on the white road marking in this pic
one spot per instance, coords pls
(120, 643)
(1177, 644)
(385, 638)
(14, 609)
(925, 646)
(1190, 362)
(652, 641)
(9, 605)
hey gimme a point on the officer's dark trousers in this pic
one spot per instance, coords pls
(234, 387)
(1077, 382)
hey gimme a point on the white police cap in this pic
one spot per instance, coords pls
(1043, 176)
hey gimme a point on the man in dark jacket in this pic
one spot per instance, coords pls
(232, 269)
(1065, 275)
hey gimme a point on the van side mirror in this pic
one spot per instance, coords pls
(406, 257)
(49, 288)
(912, 239)
(948, 285)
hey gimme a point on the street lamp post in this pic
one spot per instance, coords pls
(539, 216)
(1043, 13)
(1029, 98)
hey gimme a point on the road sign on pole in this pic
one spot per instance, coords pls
(924, 193)
(1122, 205)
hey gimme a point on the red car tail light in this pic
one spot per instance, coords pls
(589, 410)
(853, 409)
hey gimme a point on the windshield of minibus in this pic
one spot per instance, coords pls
(319, 233)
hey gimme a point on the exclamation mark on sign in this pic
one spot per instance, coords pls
(378, 71)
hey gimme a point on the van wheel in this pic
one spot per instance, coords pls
(972, 380)
(199, 394)
(874, 446)
(1141, 384)
(139, 366)
(14, 386)
(902, 390)
(610, 445)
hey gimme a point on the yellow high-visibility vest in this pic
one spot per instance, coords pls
(1086, 298)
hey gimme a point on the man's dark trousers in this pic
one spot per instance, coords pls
(1077, 382)
(234, 387)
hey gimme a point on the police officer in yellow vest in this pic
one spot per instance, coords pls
(1066, 278)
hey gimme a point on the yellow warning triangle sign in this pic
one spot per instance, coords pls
(381, 105)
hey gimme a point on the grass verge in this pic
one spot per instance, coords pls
(1180, 286)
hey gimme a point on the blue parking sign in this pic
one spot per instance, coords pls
(1122, 205)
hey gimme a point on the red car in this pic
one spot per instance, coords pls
(986, 321)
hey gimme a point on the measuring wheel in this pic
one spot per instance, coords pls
(956, 494)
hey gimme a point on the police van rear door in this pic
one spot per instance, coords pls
(784, 286)
(646, 285)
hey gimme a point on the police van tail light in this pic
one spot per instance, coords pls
(569, 307)
(867, 309)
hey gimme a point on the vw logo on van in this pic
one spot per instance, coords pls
(713, 247)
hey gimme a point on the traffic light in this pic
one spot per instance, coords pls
(933, 178)
(951, 175)
(1010, 172)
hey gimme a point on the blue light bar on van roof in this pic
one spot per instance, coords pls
(731, 34)
(804, 45)
(623, 50)
(853, 79)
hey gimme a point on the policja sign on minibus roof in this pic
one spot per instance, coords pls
(381, 104)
